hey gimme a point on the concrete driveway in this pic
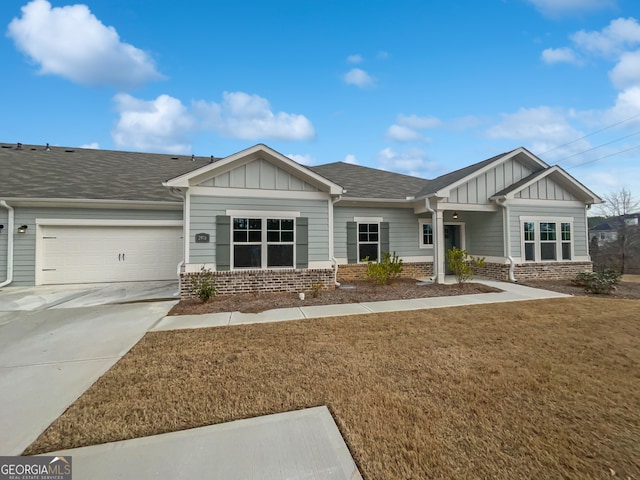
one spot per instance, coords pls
(55, 342)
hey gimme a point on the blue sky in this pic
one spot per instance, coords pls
(414, 87)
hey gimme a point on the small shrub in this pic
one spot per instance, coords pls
(463, 265)
(315, 290)
(386, 270)
(603, 282)
(203, 285)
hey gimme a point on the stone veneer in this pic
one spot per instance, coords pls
(245, 281)
(536, 271)
(357, 271)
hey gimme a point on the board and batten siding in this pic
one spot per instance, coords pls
(480, 188)
(403, 229)
(484, 233)
(259, 174)
(545, 189)
(24, 246)
(204, 209)
(580, 247)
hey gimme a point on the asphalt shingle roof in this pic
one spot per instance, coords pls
(80, 173)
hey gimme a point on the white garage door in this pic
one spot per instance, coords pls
(90, 254)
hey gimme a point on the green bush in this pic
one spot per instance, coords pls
(203, 285)
(603, 282)
(463, 265)
(386, 270)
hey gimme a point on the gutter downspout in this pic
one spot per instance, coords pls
(507, 237)
(10, 226)
(334, 261)
(434, 228)
(587, 207)
(178, 194)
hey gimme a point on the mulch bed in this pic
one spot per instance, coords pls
(363, 292)
(628, 290)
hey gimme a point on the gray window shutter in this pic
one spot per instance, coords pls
(302, 242)
(223, 239)
(384, 237)
(352, 242)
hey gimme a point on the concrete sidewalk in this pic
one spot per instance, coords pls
(511, 292)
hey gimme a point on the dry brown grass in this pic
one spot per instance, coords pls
(542, 389)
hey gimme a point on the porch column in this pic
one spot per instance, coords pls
(438, 248)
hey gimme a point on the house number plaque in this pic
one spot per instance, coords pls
(202, 238)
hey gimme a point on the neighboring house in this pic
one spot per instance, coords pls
(261, 221)
(607, 231)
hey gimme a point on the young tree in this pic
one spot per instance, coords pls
(619, 204)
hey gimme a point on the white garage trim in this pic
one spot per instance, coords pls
(140, 229)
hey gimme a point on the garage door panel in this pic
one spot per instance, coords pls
(88, 254)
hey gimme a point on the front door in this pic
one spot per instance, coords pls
(452, 238)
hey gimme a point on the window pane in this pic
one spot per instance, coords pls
(369, 250)
(273, 236)
(547, 251)
(286, 224)
(566, 251)
(373, 237)
(240, 236)
(255, 224)
(566, 231)
(273, 224)
(363, 227)
(427, 234)
(239, 223)
(363, 237)
(547, 231)
(529, 252)
(280, 256)
(373, 228)
(529, 231)
(255, 235)
(287, 236)
(246, 256)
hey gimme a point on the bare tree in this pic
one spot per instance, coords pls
(618, 204)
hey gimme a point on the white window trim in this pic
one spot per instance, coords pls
(537, 254)
(421, 222)
(263, 243)
(366, 220)
(262, 213)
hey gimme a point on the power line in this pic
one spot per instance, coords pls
(602, 158)
(592, 133)
(598, 146)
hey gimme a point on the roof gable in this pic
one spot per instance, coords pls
(248, 156)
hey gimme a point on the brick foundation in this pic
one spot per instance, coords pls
(535, 271)
(358, 271)
(245, 281)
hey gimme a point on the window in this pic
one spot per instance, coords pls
(546, 240)
(426, 233)
(263, 242)
(368, 241)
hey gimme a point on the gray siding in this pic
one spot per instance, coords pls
(484, 233)
(25, 244)
(403, 229)
(259, 174)
(204, 210)
(580, 247)
(545, 189)
(3, 244)
(479, 189)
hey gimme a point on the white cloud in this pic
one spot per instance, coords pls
(558, 8)
(249, 117)
(626, 73)
(407, 128)
(359, 78)
(627, 105)
(413, 161)
(615, 38)
(305, 159)
(355, 59)
(92, 146)
(542, 129)
(162, 124)
(351, 159)
(382, 55)
(560, 55)
(71, 42)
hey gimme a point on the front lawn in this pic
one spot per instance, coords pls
(541, 389)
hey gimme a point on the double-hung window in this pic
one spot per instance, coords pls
(547, 240)
(368, 241)
(263, 242)
(426, 233)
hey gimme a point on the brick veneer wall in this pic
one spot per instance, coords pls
(535, 271)
(245, 281)
(358, 271)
